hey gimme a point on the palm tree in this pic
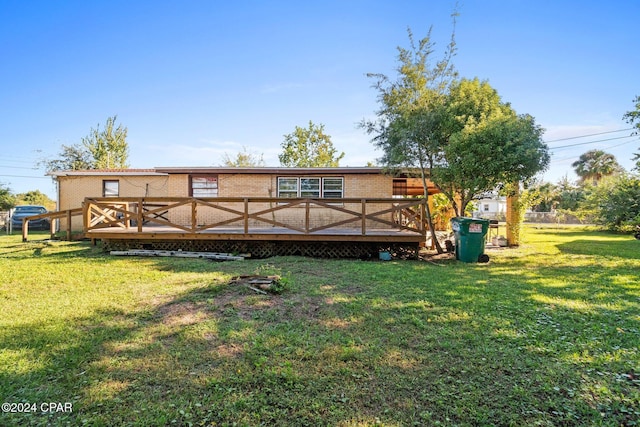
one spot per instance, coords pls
(596, 164)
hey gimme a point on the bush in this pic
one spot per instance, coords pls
(616, 203)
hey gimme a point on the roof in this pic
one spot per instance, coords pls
(164, 171)
(271, 170)
(107, 172)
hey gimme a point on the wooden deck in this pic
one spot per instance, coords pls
(264, 219)
(262, 226)
(261, 234)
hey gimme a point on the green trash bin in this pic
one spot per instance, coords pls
(470, 235)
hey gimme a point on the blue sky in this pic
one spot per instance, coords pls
(193, 80)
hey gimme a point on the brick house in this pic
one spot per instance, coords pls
(225, 182)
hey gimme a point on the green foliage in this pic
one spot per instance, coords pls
(409, 128)
(35, 197)
(615, 202)
(548, 197)
(595, 165)
(489, 144)
(410, 122)
(244, 159)
(101, 149)
(309, 148)
(633, 118)
(458, 129)
(570, 195)
(71, 157)
(7, 199)
(108, 147)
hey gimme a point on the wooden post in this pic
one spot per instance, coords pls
(513, 216)
(194, 214)
(86, 215)
(25, 230)
(140, 218)
(363, 202)
(307, 215)
(246, 216)
(69, 225)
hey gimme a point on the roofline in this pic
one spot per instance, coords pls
(164, 171)
(133, 172)
(270, 170)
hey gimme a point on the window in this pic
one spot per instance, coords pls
(486, 207)
(332, 188)
(110, 188)
(312, 187)
(287, 187)
(204, 186)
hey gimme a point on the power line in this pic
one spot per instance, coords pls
(590, 142)
(608, 148)
(24, 176)
(17, 167)
(585, 136)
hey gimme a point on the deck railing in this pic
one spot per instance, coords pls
(53, 218)
(297, 215)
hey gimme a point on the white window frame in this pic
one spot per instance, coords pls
(313, 187)
(203, 186)
(332, 193)
(110, 188)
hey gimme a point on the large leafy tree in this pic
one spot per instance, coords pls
(633, 118)
(309, 147)
(102, 149)
(593, 165)
(410, 122)
(487, 144)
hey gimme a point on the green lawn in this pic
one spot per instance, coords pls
(546, 334)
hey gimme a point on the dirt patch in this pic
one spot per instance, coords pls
(182, 313)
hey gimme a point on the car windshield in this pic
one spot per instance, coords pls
(29, 210)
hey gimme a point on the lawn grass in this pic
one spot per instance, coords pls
(546, 334)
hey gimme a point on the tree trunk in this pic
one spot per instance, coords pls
(432, 229)
(514, 216)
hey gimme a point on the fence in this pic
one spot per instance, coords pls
(4, 220)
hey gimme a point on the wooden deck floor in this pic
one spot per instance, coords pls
(156, 232)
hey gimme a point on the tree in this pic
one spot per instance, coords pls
(408, 127)
(570, 195)
(244, 159)
(7, 199)
(71, 157)
(547, 197)
(108, 147)
(594, 165)
(633, 118)
(101, 149)
(615, 203)
(36, 197)
(488, 145)
(309, 148)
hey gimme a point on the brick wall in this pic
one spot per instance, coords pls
(74, 189)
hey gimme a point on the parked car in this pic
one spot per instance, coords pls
(22, 211)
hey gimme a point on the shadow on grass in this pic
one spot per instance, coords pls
(349, 343)
(629, 248)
